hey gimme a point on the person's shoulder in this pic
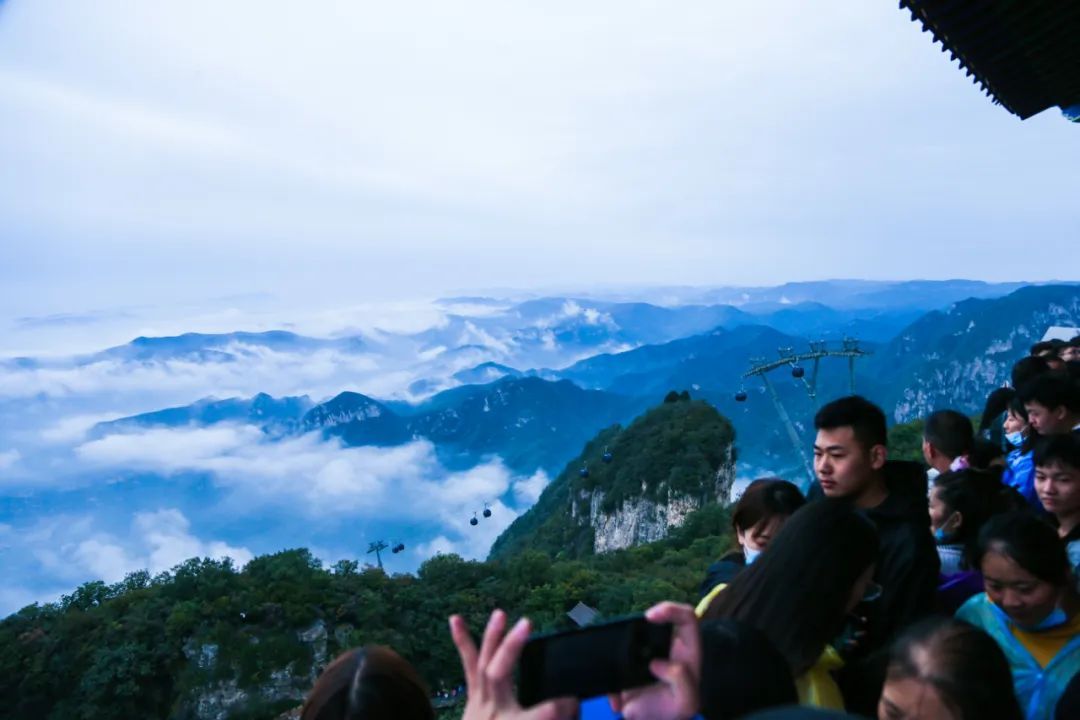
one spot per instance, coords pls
(727, 567)
(909, 529)
(975, 610)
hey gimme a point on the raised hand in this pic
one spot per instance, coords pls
(675, 696)
(489, 673)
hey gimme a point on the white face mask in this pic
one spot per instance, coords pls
(1016, 439)
(750, 553)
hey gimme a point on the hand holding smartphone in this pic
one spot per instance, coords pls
(650, 667)
(595, 660)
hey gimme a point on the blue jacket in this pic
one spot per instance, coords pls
(1037, 688)
(1020, 474)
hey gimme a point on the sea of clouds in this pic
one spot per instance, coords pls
(80, 503)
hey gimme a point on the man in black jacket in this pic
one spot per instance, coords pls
(850, 458)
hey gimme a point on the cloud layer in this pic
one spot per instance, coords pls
(331, 486)
(307, 473)
(404, 146)
(72, 549)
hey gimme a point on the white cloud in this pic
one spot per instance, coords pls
(105, 560)
(528, 491)
(472, 334)
(468, 541)
(321, 478)
(72, 549)
(168, 450)
(159, 541)
(311, 474)
(622, 156)
(15, 598)
(70, 430)
(167, 536)
(253, 369)
(8, 458)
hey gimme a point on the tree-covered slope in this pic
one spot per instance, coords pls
(955, 358)
(672, 451)
(207, 640)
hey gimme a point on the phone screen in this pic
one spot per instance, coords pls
(591, 661)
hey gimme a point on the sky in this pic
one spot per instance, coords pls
(165, 153)
(332, 167)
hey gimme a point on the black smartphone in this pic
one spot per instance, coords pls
(590, 661)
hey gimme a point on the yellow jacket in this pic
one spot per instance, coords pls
(816, 686)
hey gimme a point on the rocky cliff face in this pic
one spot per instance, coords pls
(631, 485)
(957, 357)
(642, 520)
(289, 684)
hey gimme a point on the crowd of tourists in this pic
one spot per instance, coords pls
(890, 591)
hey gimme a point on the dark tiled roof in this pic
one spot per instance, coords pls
(1025, 54)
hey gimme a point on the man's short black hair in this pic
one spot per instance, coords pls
(1042, 346)
(1063, 449)
(950, 432)
(856, 412)
(1052, 390)
(1027, 369)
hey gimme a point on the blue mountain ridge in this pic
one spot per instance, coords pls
(538, 418)
(216, 347)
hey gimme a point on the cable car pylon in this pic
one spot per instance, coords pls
(377, 547)
(790, 359)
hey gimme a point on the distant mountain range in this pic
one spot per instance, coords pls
(201, 347)
(714, 360)
(537, 418)
(529, 422)
(955, 357)
(920, 295)
(275, 416)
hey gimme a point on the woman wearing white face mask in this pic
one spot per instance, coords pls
(761, 511)
(1019, 465)
(960, 503)
(1030, 607)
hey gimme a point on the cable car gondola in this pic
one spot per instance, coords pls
(474, 520)
(584, 471)
(740, 396)
(607, 457)
(487, 511)
(797, 371)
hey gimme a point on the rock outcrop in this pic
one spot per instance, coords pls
(641, 520)
(632, 486)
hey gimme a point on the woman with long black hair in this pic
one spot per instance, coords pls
(799, 593)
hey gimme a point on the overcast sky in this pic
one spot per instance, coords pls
(156, 152)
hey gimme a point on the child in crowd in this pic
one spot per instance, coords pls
(1057, 480)
(960, 503)
(1030, 608)
(1019, 471)
(761, 511)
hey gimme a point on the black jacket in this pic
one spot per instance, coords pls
(723, 571)
(907, 566)
(907, 570)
